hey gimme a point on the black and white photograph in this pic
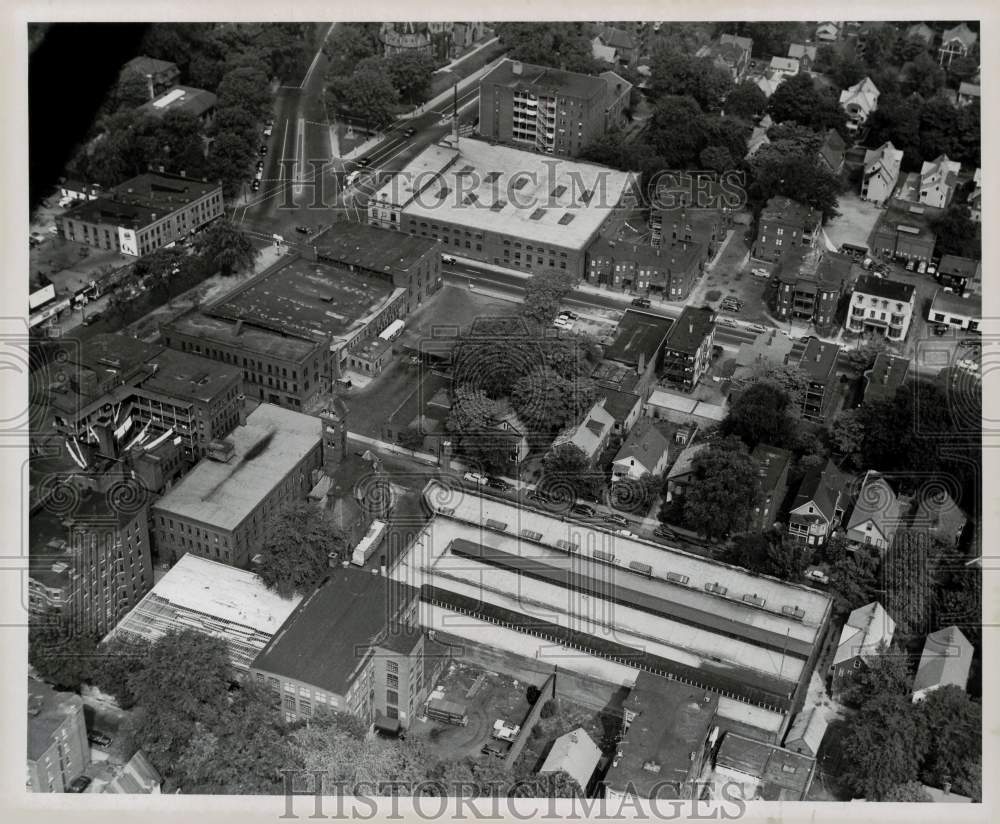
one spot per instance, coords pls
(573, 414)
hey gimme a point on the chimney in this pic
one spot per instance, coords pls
(241, 401)
(516, 68)
(149, 86)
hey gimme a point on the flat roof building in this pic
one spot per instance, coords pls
(222, 508)
(501, 205)
(58, 750)
(185, 99)
(819, 362)
(214, 599)
(885, 377)
(881, 306)
(638, 344)
(687, 351)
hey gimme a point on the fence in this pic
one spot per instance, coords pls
(547, 693)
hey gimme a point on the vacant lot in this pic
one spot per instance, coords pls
(856, 221)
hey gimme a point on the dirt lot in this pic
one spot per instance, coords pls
(730, 277)
(856, 221)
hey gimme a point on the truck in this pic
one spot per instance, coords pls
(450, 712)
(369, 543)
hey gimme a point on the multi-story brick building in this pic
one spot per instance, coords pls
(89, 556)
(668, 272)
(819, 362)
(222, 508)
(145, 213)
(58, 750)
(785, 225)
(772, 479)
(503, 206)
(880, 306)
(690, 209)
(549, 110)
(811, 291)
(687, 351)
(903, 234)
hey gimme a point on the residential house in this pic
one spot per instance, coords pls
(805, 54)
(625, 407)
(885, 377)
(769, 82)
(938, 179)
(975, 198)
(160, 75)
(575, 754)
(668, 271)
(875, 517)
(731, 54)
(690, 209)
(768, 349)
(881, 173)
(866, 630)
(859, 101)
(758, 137)
(937, 514)
(58, 750)
(137, 776)
(620, 44)
(944, 795)
(819, 362)
(967, 94)
(956, 42)
(590, 435)
(922, 32)
(828, 31)
(959, 273)
(782, 68)
(818, 507)
(880, 306)
(687, 351)
(645, 452)
(760, 771)
(772, 480)
(785, 224)
(833, 151)
(516, 431)
(681, 472)
(807, 731)
(945, 661)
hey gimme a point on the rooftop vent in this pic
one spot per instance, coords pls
(221, 451)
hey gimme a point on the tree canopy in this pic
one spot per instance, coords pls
(225, 249)
(720, 496)
(762, 414)
(295, 554)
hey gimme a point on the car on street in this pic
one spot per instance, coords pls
(939, 329)
(732, 308)
(569, 315)
(642, 303)
(259, 175)
(612, 518)
(759, 328)
(260, 164)
(760, 273)
(665, 532)
(447, 259)
(409, 132)
(364, 161)
(302, 230)
(969, 343)
(911, 265)
(921, 267)
(267, 131)
(882, 269)
(624, 533)
(93, 317)
(817, 575)
(726, 322)
(255, 186)
(476, 478)
(263, 150)
(497, 483)
(563, 323)
(79, 784)
(584, 510)
(536, 495)
(98, 738)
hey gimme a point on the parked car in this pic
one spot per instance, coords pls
(267, 131)
(643, 303)
(263, 150)
(932, 268)
(569, 315)
(758, 328)
(612, 518)
(664, 532)
(93, 317)
(476, 478)
(584, 510)
(535, 495)
(939, 329)
(409, 132)
(302, 230)
(364, 161)
(624, 533)
(498, 483)
(911, 265)
(733, 308)
(882, 268)
(255, 186)
(760, 273)
(921, 267)
(260, 164)
(969, 342)
(79, 784)
(98, 738)
(817, 575)
(447, 259)
(726, 322)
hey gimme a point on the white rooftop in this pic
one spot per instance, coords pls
(170, 97)
(271, 443)
(499, 189)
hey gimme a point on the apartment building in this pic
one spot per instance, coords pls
(145, 213)
(819, 362)
(668, 271)
(549, 110)
(687, 351)
(880, 306)
(785, 225)
(58, 750)
(811, 291)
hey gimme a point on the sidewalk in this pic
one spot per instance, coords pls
(462, 58)
(447, 94)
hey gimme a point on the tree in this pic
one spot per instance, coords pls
(132, 90)
(547, 402)
(183, 683)
(957, 233)
(679, 148)
(568, 475)
(229, 158)
(558, 45)
(853, 581)
(767, 554)
(410, 73)
(801, 100)
(911, 791)
(473, 421)
(295, 555)
(922, 76)
(675, 73)
(225, 249)
(59, 654)
(716, 158)
(720, 496)
(746, 101)
(847, 436)
(349, 44)
(863, 357)
(116, 661)
(954, 724)
(886, 672)
(544, 294)
(558, 784)
(367, 94)
(887, 741)
(761, 414)
(783, 168)
(246, 87)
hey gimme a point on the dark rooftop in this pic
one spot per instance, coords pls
(690, 330)
(304, 299)
(673, 720)
(955, 265)
(819, 360)
(378, 250)
(771, 462)
(791, 211)
(820, 485)
(53, 710)
(618, 404)
(181, 99)
(143, 199)
(149, 65)
(885, 377)
(250, 338)
(189, 377)
(884, 288)
(330, 633)
(639, 335)
(543, 80)
(834, 269)
(781, 775)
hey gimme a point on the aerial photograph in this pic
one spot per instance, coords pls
(509, 412)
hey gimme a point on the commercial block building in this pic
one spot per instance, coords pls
(549, 110)
(687, 351)
(212, 598)
(668, 272)
(637, 351)
(222, 508)
(503, 206)
(692, 209)
(89, 551)
(880, 306)
(145, 213)
(58, 750)
(785, 225)
(811, 291)
(956, 311)
(960, 274)
(904, 234)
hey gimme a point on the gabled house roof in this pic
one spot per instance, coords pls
(864, 94)
(936, 511)
(137, 776)
(682, 465)
(966, 89)
(833, 149)
(886, 158)
(821, 486)
(800, 50)
(962, 33)
(744, 43)
(785, 64)
(588, 435)
(885, 377)
(645, 445)
(866, 628)
(939, 171)
(875, 502)
(576, 754)
(616, 38)
(810, 727)
(945, 661)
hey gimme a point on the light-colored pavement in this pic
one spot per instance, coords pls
(855, 223)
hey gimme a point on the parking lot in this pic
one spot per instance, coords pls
(731, 278)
